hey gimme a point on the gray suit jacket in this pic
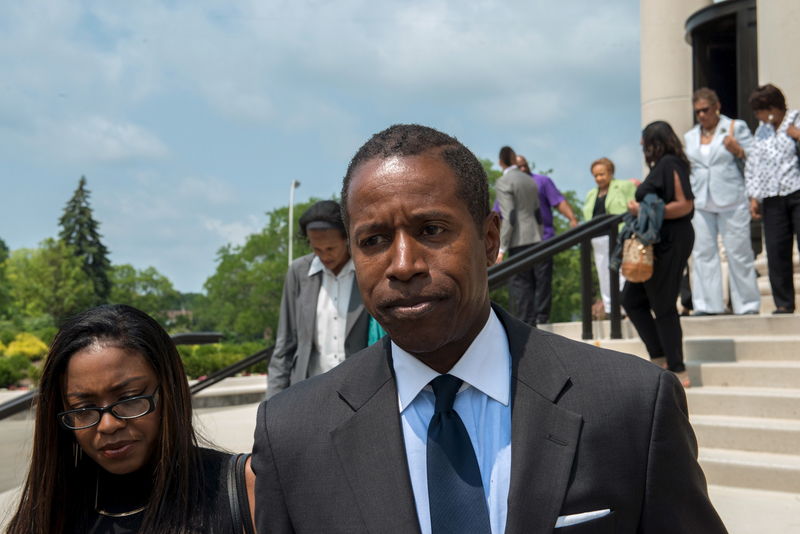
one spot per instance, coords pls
(591, 429)
(720, 175)
(518, 197)
(294, 342)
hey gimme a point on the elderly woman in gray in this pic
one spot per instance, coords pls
(716, 148)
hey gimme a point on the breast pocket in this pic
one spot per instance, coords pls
(601, 525)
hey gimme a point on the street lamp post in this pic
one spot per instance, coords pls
(295, 185)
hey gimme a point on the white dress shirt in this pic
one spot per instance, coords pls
(483, 403)
(332, 303)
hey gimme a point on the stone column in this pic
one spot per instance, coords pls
(666, 61)
(778, 46)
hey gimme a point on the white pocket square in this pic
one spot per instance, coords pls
(574, 519)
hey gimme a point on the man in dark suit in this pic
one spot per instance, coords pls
(521, 228)
(322, 319)
(465, 419)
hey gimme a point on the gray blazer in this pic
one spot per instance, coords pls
(591, 429)
(294, 342)
(518, 197)
(720, 175)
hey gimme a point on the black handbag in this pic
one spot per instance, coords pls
(237, 494)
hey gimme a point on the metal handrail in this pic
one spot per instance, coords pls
(581, 235)
(544, 250)
(25, 401)
(231, 370)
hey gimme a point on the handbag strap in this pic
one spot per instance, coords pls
(237, 494)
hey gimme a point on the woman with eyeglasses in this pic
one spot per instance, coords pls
(114, 450)
(717, 147)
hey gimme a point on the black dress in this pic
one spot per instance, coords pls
(125, 493)
(663, 336)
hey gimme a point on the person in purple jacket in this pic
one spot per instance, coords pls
(549, 197)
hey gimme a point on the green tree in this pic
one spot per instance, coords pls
(49, 280)
(5, 286)
(244, 294)
(79, 229)
(146, 289)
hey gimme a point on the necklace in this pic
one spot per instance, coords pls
(707, 133)
(112, 514)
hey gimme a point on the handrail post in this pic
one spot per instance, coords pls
(586, 289)
(616, 318)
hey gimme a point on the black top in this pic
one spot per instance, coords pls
(599, 206)
(213, 514)
(661, 181)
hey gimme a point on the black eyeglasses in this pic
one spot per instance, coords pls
(702, 110)
(131, 408)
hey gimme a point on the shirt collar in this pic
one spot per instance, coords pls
(317, 266)
(509, 168)
(486, 366)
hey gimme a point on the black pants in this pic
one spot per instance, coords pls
(522, 291)
(781, 223)
(662, 334)
(544, 290)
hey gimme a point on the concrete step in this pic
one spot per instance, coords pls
(756, 434)
(719, 349)
(750, 511)
(763, 374)
(744, 402)
(755, 470)
(710, 326)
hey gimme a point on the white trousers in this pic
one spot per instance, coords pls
(601, 254)
(706, 270)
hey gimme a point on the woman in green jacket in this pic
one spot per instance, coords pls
(610, 196)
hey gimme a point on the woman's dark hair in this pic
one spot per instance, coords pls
(766, 97)
(658, 140)
(56, 495)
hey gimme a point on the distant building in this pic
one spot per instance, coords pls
(731, 46)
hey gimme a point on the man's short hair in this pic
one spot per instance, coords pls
(323, 215)
(507, 156)
(413, 140)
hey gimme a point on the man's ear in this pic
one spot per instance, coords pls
(491, 237)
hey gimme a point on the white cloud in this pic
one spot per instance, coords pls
(234, 232)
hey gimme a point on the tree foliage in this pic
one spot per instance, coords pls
(80, 230)
(146, 289)
(244, 294)
(5, 285)
(49, 280)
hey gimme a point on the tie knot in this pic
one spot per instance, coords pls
(445, 388)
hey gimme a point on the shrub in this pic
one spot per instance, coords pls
(27, 345)
(13, 369)
(203, 360)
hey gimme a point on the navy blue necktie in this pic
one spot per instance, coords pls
(455, 490)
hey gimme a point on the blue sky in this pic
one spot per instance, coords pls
(189, 119)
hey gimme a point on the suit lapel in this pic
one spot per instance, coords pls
(354, 308)
(309, 307)
(544, 436)
(716, 143)
(370, 447)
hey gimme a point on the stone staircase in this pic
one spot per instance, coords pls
(744, 402)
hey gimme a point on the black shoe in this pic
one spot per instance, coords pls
(702, 314)
(781, 310)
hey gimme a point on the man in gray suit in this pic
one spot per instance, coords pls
(322, 318)
(465, 420)
(521, 228)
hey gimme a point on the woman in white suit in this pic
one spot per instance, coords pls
(716, 148)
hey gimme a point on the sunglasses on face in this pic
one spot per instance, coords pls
(702, 110)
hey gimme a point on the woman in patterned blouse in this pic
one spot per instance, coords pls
(772, 178)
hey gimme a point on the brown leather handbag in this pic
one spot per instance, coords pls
(637, 260)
